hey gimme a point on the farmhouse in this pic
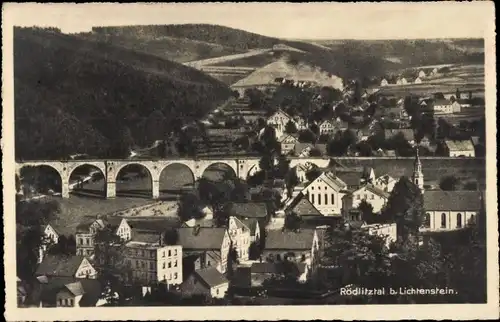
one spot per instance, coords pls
(421, 74)
(278, 121)
(66, 266)
(287, 142)
(207, 281)
(418, 80)
(384, 82)
(463, 148)
(369, 193)
(327, 127)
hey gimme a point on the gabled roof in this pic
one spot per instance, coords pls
(289, 240)
(349, 176)
(374, 190)
(85, 224)
(408, 134)
(58, 265)
(303, 207)
(211, 277)
(54, 227)
(158, 225)
(436, 200)
(465, 145)
(386, 178)
(252, 224)
(248, 209)
(147, 237)
(75, 288)
(113, 221)
(287, 136)
(201, 238)
(240, 224)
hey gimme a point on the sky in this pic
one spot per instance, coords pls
(283, 20)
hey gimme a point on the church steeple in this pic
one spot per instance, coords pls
(418, 176)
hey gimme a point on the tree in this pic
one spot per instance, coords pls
(110, 263)
(315, 152)
(290, 127)
(291, 180)
(189, 207)
(266, 164)
(292, 221)
(449, 183)
(307, 136)
(405, 207)
(366, 210)
(171, 237)
(313, 173)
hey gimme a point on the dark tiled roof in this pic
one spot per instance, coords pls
(277, 239)
(146, 237)
(56, 265)
(377, 191)
(251, 223)
(350, 177)
(90, 288)
(113, 221)
(54, 227)
(408, 134)
(452, 200)
(204, 239)
(248, 209)
(155, 225)
(84, 225)
(211, 277)
(303, 207)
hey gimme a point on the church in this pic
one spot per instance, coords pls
(446, 210)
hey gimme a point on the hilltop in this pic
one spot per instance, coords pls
(79, 96)
(343, 62)
(418, 52)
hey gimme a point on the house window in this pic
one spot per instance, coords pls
(319, 199)
(151, 265)
(326, 199)
(137, 263)
(164, 265)
(312, 198)
(303, 258)
(217, 291)
(459, 220)
(152, 254)
(443, 220)
(472, 219)
(208, 263)
(71, 302)
(427, 220)
(169, 264)
(175, 263)
(163, 254)
(80, 242)
(372, 197)
(175, 252)
(143, 264)
(333, 199)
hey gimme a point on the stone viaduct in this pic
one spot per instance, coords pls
(242, 167)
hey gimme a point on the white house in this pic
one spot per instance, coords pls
(302, 169)
(444, 106)
(402, 81)
(287, 142)
(418, 80)
(384, 82)
(327, 127)
(207, 281)
(385, 183)
(421, 74)
(450, 210)
(386, 230)
(240, 237)
(278, 121)
(369, 193)
(326, 193)
(66, 266)
(463, 148)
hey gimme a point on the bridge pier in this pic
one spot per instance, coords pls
(110, 190)
(65, 189)
(156, 189)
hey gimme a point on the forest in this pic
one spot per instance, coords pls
(76, 96)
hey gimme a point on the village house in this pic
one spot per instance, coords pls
(51, 235)
(444, 106)
(327, 128)
(254, 228)
(363, 134)
(421, 74)
(302, 169)
(249, 210)
(450, 210)
(255, 274)
(385, 183)
(354, 178)
(152, 261)
(66, 292)
(418, 80)
(207, 281)
(455, 148)
(85, 232)
(300, 247)
(326, 193)
(369, 193)
(384, 82)
(408, 134)
(66, 266)
(401, 81)
(305, 150)
(278, 121)
(287, 142)
(240, 237)
(388, 230)
(301, 206)
(212, 244)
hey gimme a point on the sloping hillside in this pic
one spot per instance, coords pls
(345, 62)
(76, 96)
(416, 52)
